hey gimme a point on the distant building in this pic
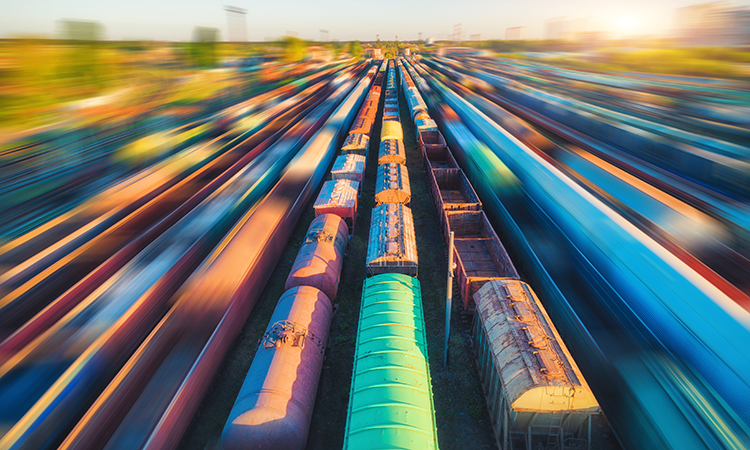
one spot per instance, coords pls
(577, 29)
(556, 28)
(458, 34)
(514, 33)
(374, 53)
(407, 51)
(735, 26)
(696, 24)
(713, 23)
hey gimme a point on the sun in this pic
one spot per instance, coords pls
(627, 23)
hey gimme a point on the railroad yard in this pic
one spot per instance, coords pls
(271, 272)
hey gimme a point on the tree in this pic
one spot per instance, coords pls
(203, 49)
(294, 48)
(81, 30)
(338, 49)
(83, 56)
(355, 49)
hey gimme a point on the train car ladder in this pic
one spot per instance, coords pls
(555, 435)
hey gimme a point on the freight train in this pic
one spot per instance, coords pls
(115, 311)
(390, 401)
(534, 391)
(287, 363)
(716, 164)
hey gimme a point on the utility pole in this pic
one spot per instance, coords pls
(236, 24)
(420, 37)
(448, 301)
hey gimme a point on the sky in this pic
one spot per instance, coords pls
(345, 20)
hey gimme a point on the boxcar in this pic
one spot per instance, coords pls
(356, 143)
(391, 130)
(361, 125)
(535, 393)
(425, 124)
(391, 151)
(349, 167)
(338, 197)
(479, 254)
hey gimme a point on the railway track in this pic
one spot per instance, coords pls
(122, 292)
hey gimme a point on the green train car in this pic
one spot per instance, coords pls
(390, 402)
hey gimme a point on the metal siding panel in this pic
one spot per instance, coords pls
(391, 151)
(356, 143)
(338, 193)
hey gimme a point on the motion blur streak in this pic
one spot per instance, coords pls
(97, 336)
(190, 341)
(660, 325)
(30, 281)
(283, 121)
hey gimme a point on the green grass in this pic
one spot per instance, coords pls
(714, 62)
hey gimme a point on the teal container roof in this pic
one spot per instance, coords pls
(390, 403)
